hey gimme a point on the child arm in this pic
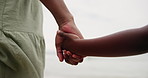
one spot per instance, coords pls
(124, 43)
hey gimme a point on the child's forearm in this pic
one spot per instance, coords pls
(125, 43)
(59, 11)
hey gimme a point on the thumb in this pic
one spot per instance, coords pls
(67, 35)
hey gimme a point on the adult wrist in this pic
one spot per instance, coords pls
(65, 21)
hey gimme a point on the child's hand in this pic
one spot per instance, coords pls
(70, 57)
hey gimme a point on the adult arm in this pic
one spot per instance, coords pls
(64, 20)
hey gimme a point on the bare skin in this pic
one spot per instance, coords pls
(124, 43)
(66, 23)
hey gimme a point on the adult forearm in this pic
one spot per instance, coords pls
(59, 11)
(125, 43)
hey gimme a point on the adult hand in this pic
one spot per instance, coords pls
(68, 56)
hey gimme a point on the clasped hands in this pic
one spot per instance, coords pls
(62, 53)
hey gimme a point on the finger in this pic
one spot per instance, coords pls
(77, 56)
(78, 59)
(68, 58)
(71, 62)
(65, 55)
(68, 55)
(74, 57)
(58, 48)
(60, 55)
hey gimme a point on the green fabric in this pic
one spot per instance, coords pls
(22, 47)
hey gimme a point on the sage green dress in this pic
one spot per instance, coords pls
(22, 47)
